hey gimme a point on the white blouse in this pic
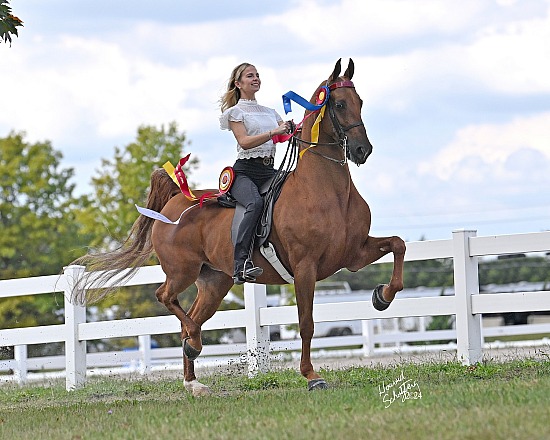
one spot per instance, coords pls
(257, 119)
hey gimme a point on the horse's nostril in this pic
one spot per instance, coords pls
(361, 152)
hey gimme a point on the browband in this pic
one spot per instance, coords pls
(341, 84)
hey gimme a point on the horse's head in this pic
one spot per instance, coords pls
(344, 107)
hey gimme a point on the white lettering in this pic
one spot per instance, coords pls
(400, 389)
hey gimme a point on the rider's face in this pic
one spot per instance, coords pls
(249, 83)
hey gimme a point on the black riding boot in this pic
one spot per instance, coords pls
(245, 271)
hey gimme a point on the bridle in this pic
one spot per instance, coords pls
(341, 130)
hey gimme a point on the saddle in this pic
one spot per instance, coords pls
(270, 192)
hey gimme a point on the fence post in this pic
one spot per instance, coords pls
(145, 353)
(20, 357)
(466, 280)
(367, 330)
(75, 350)
(257, 337)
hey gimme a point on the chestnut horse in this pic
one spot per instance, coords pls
(320, 225)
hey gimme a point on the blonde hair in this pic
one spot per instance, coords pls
(233, 94)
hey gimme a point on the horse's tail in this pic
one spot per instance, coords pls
(104, 270)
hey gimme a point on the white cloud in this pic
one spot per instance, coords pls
(513, 59)
(493, 144)
(96, 86)
(351, 23)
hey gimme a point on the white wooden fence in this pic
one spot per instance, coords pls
(467, 305)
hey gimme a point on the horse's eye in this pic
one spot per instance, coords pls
(339, 104)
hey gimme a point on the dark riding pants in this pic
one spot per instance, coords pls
(250, 174)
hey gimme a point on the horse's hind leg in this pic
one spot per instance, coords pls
(167, 294)
(374, 249)
(212, 288)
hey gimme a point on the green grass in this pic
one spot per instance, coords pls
(509, 400)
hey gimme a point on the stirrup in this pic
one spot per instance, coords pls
(247, 275)
(253, 272)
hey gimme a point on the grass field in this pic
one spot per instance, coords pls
(443, 400)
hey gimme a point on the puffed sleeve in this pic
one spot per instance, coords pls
(232, 114)
(278, 117)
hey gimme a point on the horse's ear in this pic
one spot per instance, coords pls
(336, 71)
(349, 71)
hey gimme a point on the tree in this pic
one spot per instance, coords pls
(8, 22)
(124, 181)
(38, 232)
(37, 209)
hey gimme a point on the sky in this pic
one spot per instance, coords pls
(456, 93)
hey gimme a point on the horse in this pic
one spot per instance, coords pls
(321, 224)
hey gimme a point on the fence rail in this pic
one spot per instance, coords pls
(467, 305)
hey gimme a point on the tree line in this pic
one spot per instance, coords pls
(439, 273)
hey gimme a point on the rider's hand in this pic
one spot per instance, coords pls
(284, 128)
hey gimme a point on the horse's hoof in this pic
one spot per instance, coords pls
(378, 300)
(190, 352)
(317, 384)
(197, 389)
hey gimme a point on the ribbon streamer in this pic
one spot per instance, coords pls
(182, 179)
(157, 215)
(291, 96)
(315, 128)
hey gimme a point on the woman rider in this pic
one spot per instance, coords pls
(253, 126)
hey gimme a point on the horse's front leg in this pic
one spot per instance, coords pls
(304, 284)
(375, 248)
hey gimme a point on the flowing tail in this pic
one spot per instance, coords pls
(115, 267)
